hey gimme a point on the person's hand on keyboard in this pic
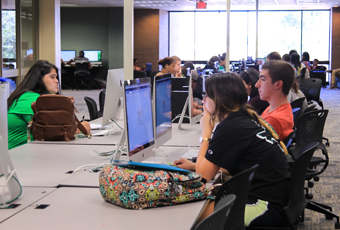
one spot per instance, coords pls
(184, 163)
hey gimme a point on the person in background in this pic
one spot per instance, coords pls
(177, 70)
(250, 77)
(274, 85)
(286, 58)
(168, 65)
(42, 78)
(291, 52)
(196, 108)
(184, 68)
(315, 64)
(305, 60)
(240, 141)
(274, 56)
(80, 59)
(211, 62)
(223, 62)
(295, 61)
(135, 65)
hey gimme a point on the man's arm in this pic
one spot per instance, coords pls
(90, 66)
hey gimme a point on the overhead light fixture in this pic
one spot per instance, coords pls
(299, 2)
(68, 5)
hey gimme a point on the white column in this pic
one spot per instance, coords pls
(227, 58)
(128, 39)
(49, 31)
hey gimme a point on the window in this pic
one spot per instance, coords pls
(8, 38)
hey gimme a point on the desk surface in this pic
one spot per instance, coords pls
(84, 208)
(28, 196)
(47, 165)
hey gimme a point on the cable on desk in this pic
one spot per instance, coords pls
(116, 123)
(3, 190)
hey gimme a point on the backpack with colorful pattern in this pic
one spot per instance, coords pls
(139, 188)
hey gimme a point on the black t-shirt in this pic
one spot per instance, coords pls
(239, 143)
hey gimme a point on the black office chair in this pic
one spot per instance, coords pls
(92, 107)
(297, 201)
(238, 184)
(102, 95)
(216, 220)
(320, 73)
(82, 72)
(138, 74)
(311, 88)
(298, 103)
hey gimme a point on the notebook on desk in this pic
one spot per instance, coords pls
(153, 166)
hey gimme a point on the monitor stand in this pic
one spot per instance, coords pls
(10, 188)
(183, 114)
(120, 145)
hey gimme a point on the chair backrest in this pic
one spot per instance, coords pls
(148, 67)
(309, 128)
(311, 88)
(92, 107)
(138, 74)
(298, 103)
(297, 201)
(238, 185)
(216, 220)
(321, 68)
(82, 69)
(102, 95)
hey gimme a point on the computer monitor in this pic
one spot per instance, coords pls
(67, 55)
(11, 190)
(188, 106)
(162, 109)
(113, 106)
(138, 119)
(28, 52)
(93, 55)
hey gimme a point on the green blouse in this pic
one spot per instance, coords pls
(19, 114)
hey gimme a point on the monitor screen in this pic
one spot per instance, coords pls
(162, 102)
(67, 55)
(93, 55)
(28, 52)
(138, 115)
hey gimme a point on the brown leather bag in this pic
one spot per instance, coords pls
(54, 119)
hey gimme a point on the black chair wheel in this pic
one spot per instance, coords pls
(309, 196)
(337, 225)
(316, 178)
(310, 184)
(327, 144)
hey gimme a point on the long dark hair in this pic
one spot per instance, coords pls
(251, 76)
(295, 60)
(32, 81)
(229, 95)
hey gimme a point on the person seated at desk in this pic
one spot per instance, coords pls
(274, 56)
(223, 62)
(42, 78)
(196, 83)
(168, 65)
(80, 59)
(211, 63)
(305, 60)
(298, 65)
(239, 142)
(274, 85)
(250, 77)
(136, 67)
(177, 70)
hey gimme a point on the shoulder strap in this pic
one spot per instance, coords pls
(81, 127)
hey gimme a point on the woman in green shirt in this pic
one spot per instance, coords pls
(42, 78)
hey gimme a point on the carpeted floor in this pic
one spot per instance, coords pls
(326, 191)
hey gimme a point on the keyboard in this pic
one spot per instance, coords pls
(190, 153)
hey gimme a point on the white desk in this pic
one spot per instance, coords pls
(84, 208)
(188, 136)
(28, 196)
(88, 179)
(46, 165)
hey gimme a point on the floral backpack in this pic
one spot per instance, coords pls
(140, 188)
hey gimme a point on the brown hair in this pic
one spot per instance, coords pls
(213, 59)
(229, 94)
(176, 58)
(166, 61)
(281, 71)
(274, 56)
